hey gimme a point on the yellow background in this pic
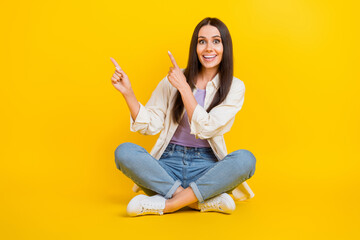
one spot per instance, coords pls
(61, 119)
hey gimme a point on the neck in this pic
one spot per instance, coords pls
(208, 74)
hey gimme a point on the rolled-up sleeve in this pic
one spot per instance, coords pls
(151, 117)
(220, 119)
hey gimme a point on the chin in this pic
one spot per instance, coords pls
(209, 66)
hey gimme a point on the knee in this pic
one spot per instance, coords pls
(123, 153)
(247, 161)
(123, 149)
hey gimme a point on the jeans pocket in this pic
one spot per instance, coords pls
(166, 153)
(207, 155)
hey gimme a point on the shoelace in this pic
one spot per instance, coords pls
(151, 207)
(212, 204)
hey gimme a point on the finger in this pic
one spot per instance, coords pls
(115, 63)
(121, 72)
(173, 60)
(117, 78)
(118, 74)
(113, 80)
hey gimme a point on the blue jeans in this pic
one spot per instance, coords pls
(196, 167)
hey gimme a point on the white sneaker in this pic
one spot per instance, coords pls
(221, 203)
(142, 205)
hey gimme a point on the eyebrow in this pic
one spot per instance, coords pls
(212, 36)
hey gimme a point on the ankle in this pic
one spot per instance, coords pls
(168, 207)
(178, 190)
(194, 205)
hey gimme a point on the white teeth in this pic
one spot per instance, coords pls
(210, 56)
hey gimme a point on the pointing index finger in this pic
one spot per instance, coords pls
(115, 63)
(173, 60)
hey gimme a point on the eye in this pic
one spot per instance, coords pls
(216, 41)
(201, 41)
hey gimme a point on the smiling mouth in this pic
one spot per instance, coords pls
(209, 58)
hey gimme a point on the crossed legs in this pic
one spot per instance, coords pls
(136, 163)
(181, 198)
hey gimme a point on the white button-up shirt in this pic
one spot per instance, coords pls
(155, 117)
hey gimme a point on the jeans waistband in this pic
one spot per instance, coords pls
(185, 149)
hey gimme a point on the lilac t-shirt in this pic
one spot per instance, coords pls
(182, 134)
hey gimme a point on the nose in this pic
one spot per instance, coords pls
(209, 47)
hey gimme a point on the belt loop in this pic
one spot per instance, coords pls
(173, 147)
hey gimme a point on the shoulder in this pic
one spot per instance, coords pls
(237, 85)
(236, 93)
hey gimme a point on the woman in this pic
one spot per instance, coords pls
(193, 108)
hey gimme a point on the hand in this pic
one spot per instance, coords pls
(176, 76)
(120, 80)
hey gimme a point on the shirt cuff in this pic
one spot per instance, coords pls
(196, 122)
(141, 118)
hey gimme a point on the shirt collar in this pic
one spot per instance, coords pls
(216, 81)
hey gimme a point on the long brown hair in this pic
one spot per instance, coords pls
(226, 68)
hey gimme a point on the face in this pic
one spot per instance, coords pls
(209, 47)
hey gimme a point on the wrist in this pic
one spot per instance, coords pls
(128, 93)
(185, 89)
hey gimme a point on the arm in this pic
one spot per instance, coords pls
(189, 100)
(150, 118)
(220, 119)
(132, 103)
(178, 80)
(121, 82)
